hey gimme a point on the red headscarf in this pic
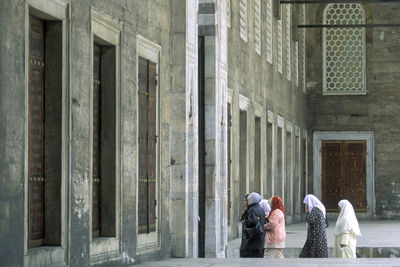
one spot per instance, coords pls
(276, 203)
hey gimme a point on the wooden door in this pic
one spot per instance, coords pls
(96, 165)
(147, 146)
(354, 182)
(344, 174)
(36, 140)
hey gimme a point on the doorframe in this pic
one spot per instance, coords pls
(368, 136)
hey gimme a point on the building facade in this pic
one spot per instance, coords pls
(132, 129)
(352, 82)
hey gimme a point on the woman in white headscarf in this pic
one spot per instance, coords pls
(346, 231)
(266, 208)
(316, 245)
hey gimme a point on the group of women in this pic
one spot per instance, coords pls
(264, 234)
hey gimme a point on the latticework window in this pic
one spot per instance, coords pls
(269, 31)
(228, 13)
(243, 19)
(344, 50)
(303, 48)
(296, 63)
(279, 36)
(257, 26)
(288, 41)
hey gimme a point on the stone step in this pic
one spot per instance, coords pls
(365, 252)
(380, 239)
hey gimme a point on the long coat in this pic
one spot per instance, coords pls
(316, 245)
(276, 230)
(252, 246)
(349, 241)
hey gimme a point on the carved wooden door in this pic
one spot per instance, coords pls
(354, 180)
(147, 146)
(36, 140)
(344, 174)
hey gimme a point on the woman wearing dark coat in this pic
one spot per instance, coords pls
(316, 245)
(252, 245)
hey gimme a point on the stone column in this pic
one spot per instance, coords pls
(213, 26)
(13, 116)
(79, 135)
(183, 130)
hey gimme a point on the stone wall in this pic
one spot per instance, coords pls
(149, 19)
(377, 111)
(258, 87)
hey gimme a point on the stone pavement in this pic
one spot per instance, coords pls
(384, 262)
(378, 246)
(380, 239)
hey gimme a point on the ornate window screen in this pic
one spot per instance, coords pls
(296, 63)
(279, 36)
(257, 25)
(303, 48)
(288, 41)
(344, 50)
(269, 31)
(228, 14)
(243, 19)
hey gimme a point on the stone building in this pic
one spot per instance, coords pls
(132, 129)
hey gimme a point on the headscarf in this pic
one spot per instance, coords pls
(276, 203)
(244, 213)
(347, 220)
(254, 198)
(265, 206)
(312, 201)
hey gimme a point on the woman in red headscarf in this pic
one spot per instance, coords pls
(276, 230)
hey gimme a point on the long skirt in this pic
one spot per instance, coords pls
(273, 253)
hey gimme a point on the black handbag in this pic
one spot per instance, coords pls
(255, 230)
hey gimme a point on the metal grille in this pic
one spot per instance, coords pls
(147, 146)
(344, 50)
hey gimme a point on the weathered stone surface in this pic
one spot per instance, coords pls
(377, 111)
(250, 75)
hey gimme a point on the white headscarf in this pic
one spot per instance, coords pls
(312, 201)
(347, 220)
(265, 206)
(254, 198)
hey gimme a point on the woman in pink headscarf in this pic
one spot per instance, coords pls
(275, 227)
